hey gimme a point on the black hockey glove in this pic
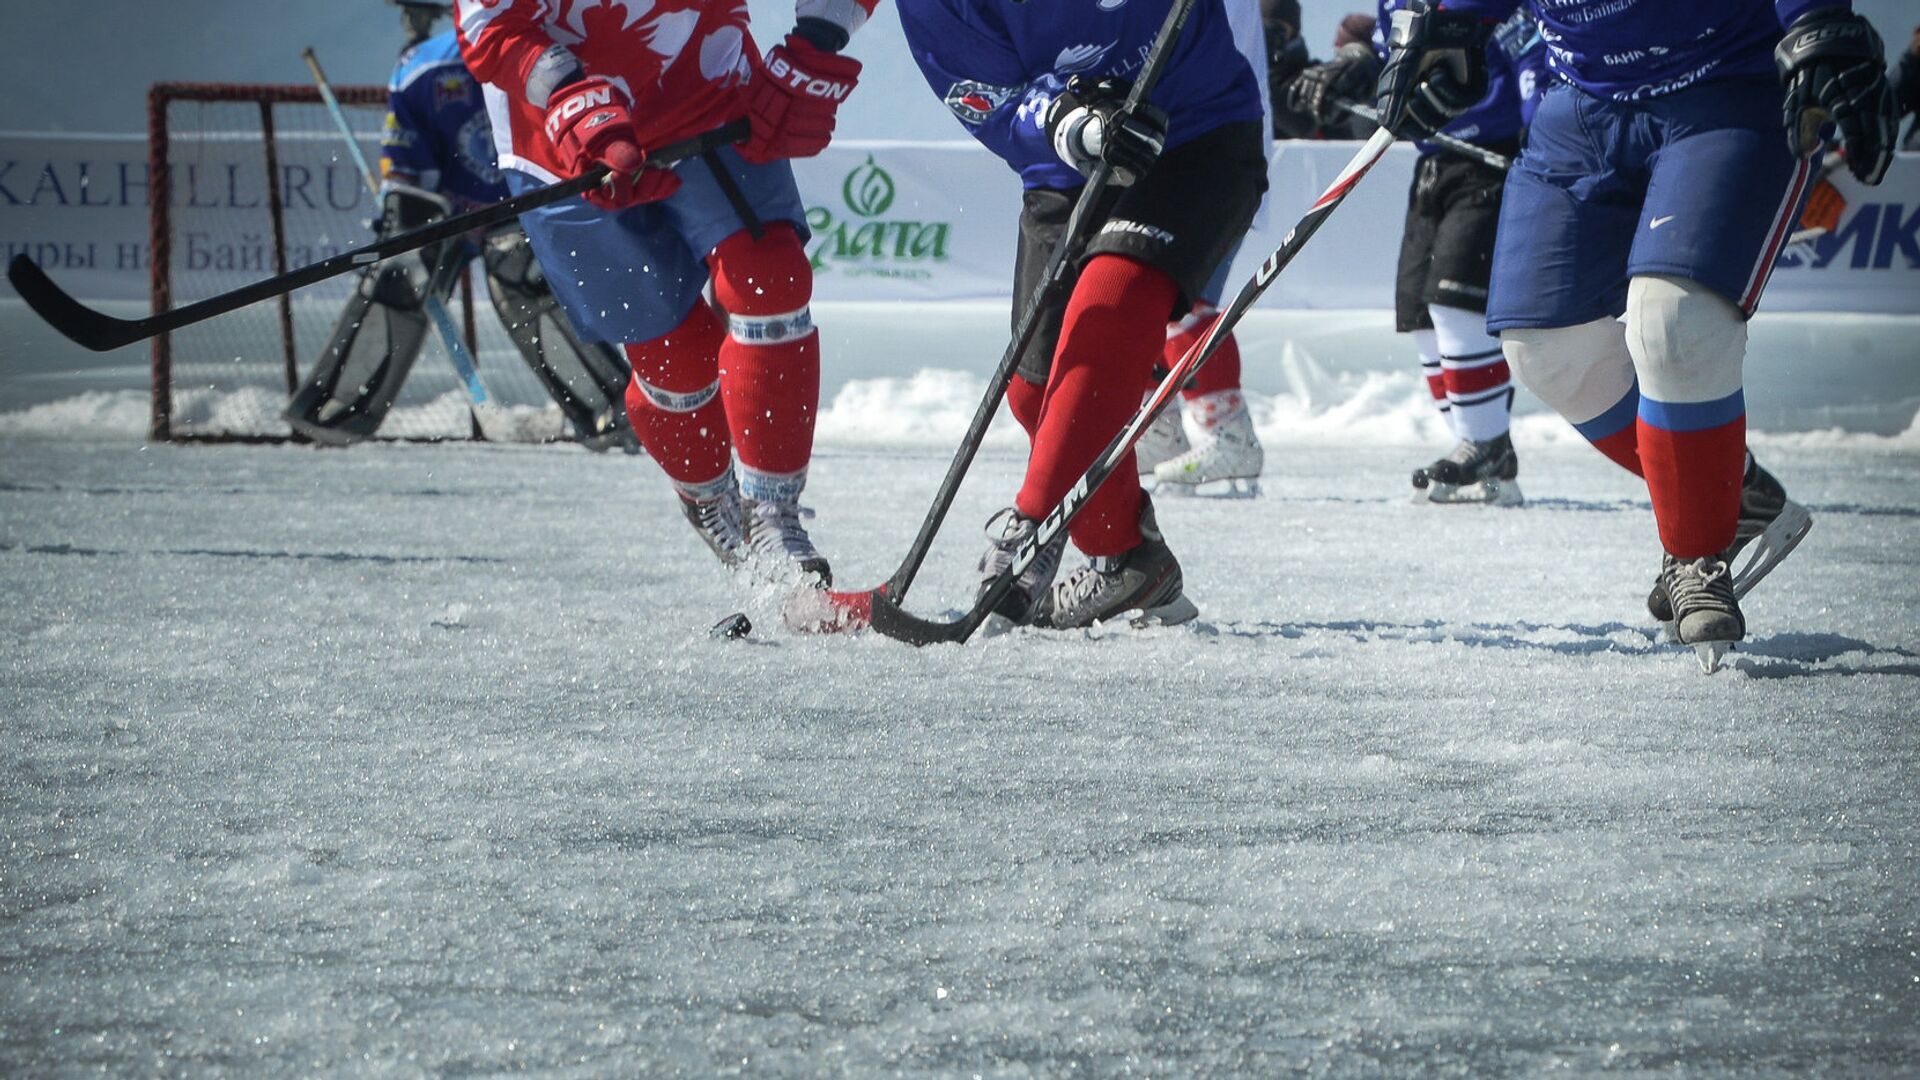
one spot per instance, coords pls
(1436, 69)
(1835, 69)
(1350, 76)
(1087, 124)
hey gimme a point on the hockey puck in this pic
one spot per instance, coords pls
(736, 625)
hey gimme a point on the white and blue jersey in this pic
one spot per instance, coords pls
(998, 65)
(1629, 50)
(437, 136)
(1516, 66)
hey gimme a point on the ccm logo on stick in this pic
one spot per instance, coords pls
(806, 84)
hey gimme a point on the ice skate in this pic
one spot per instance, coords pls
(717, 519)
(1164, 440)
(1007, 532)
(1707, 614)
(1225, 460)
(1768, 516)
(1474, 472)
(778, 546)
(1144, 582)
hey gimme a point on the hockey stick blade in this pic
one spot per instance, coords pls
(824, 611)
(101, 332)
(895, 623)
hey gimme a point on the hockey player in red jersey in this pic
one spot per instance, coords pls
(572, 84)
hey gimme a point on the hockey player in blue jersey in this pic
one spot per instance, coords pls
(437, 158)
(1446, 251)
(1042, 85)
(1659, 184)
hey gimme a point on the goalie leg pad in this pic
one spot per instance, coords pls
(587, 381)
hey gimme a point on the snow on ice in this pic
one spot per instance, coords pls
(419, 759)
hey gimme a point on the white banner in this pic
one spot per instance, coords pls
(914, 221)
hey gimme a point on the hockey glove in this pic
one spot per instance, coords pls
(793, 98)
(588, 124)
(1087, 124)
(1436, 69)
(1835, 69)
(1350, 76)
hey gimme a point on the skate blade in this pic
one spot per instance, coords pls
(1180, 611)
(1484, 493)
(1229, 488)
(1710, 653)
(1782, 535)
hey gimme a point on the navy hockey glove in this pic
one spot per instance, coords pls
(1087, 124)
(1350, 76)
(1835, 69)
(1436, 69)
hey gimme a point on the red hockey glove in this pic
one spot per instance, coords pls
(792, 100)
(588, 124)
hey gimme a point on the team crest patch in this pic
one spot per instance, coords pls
(450, 89)
(973, 101)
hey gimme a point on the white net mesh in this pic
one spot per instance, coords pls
(230, 375)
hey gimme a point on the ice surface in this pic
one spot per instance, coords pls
(419, 759)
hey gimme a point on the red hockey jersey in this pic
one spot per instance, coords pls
(682, 62)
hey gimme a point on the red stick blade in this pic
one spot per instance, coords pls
(823, 611)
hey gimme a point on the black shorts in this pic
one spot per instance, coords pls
(1182, 219)
(1446, 253)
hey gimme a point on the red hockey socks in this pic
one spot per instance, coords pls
(1222, 370)
(1695, 456)
(1616, 432)
(1024, 400)
(673, 402)
(1112, 334)
(770, 359)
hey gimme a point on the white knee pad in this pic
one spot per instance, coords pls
(1579, 371)
(1687, 341)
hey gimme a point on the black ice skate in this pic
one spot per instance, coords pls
(1474, 472)
(1007, 532)
(1145, 581)
(779, 547)
(1766, 515)
(717, 520)
(1706, 613)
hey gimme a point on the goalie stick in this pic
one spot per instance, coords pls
(486, 414)
(100, 332)
(895, 622)
(831, 611)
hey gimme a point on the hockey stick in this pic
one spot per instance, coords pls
(101, 332)
(480, 403)
(845, 609)
(891, 620)
(1459, 146)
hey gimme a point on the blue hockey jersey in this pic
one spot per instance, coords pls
(999, 63)
(1627, 50)
(1516, 67)
(437, 136)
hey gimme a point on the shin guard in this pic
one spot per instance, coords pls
(673, 401)
(1109, 340)
(770, 360)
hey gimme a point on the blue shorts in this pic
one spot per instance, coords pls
(1696, 184)
(632, 275)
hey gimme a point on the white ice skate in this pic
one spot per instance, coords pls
(1164, 440)
(778, 547)
(1224, 460)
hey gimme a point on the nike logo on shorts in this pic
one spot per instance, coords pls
(1659, 221)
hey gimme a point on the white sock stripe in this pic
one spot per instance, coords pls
(674, 401)
(1474, 360)
(770, 329)
(707, 489)
(772, 487)
(1463, 402)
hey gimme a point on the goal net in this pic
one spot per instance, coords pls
(251, 181)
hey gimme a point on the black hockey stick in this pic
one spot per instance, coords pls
(890, 619)
(101, 332)
(1439, 138)
(846, 610)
